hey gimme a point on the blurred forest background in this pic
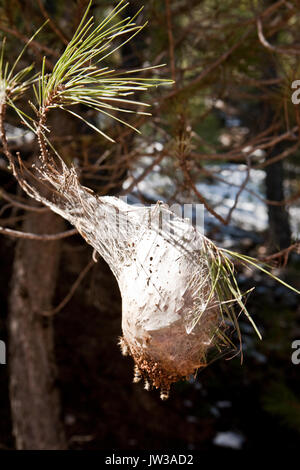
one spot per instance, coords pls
(226, 135)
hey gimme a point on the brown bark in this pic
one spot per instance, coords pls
(279, 224)
(35, 404)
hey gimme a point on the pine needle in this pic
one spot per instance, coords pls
(77, 78)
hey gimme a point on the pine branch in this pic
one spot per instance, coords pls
(77, 79)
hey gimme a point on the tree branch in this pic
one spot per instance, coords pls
(20, 205)
(53, 26)
(267, 45)
(171, 40)
(33, 44)
(34, 236)
(72, 291)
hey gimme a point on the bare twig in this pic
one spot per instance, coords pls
(33, 44)
(199, 195)
(171, 40)
(144, 174)
(72, 291)
(55, 28)
(38, 237)
(283, 253)
(262, 141)
(285, 202)
(267, 45)
(278, 157)
(210, 67)
(242, 187)
(3, 138)
(4, 208)
(20, 205)
(11, 220)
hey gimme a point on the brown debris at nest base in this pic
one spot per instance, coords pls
(137, 375)
(124, 347)
(154, 373)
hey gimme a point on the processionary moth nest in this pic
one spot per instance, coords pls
(170, 314)
(169, 274)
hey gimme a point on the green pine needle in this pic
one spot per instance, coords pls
(224, 291)
(77, 79)
(12, 85)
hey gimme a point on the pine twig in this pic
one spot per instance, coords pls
(72, 291)
(38, 237)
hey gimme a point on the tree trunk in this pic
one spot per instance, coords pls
(279, 225)
(34, 397)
